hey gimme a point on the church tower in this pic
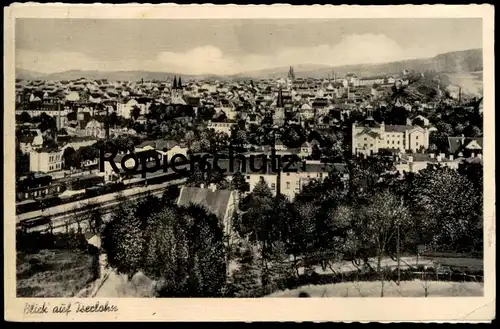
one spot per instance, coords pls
(291, 78)
(177, 88)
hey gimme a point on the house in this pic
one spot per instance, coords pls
(287, 183)
(76, 142)
(221, 203)
(30, 143)
(416, 162)
(369, 81)
(467, 147)
(142, 120)
(95, 129)
(370, 137)
(305, 150)
(163, 147)
(125, 109)
(418, 120)
(253, 118)
(46, 160)
(222, 127)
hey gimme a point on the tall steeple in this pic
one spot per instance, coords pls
(291, 73)
(179, 83)
(279, 102)
(174, 86)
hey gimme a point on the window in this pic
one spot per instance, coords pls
(287, 185)
(288, 174)
(393, 142)
(398, 142)
(248, 177)
(365, 138)
(320, 174)
(371, 145)
(416, 137)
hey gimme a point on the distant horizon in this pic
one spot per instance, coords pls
(232, 47)
(310, 66)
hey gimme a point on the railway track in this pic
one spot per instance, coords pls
(70, 216)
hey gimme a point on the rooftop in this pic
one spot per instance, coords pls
(215, 201)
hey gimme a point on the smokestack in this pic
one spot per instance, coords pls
(58, 121)
(107, 123)
(459, 95)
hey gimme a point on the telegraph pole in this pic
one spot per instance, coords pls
(399, 258)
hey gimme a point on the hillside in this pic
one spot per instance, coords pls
(453, 62)
(459, 61)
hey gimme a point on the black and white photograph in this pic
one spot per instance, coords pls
(249, 158)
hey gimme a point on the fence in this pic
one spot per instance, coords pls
(429, 274)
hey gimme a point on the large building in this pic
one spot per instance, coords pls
(46, 160)
(371, 137)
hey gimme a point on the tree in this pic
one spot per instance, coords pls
(206, 113)
(22, 162)
(186, 250)
(197, 176)
(68, 156)
(47, 123)
(245, 281)
(378, 223)
(24, 117)
(446, 208)
(239, 184)
(257, 208)
(113, 119)
(171, 194)
(95, 219)
(135, 113)
(123, 240)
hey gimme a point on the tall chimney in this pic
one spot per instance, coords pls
(58, 121)
(107, 123)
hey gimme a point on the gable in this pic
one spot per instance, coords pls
(416, 129)
(473, 145)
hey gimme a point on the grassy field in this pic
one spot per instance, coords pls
(414, 288)
(54, 273)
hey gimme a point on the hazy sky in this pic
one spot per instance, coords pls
(232, 46)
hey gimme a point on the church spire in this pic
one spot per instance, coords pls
(279, 102)
(291, 73)
(179, 83)
(174, 86)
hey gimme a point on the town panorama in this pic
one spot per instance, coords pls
(384, 198)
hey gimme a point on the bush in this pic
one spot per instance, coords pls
(34, 241)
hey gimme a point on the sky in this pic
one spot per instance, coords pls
(232, 46)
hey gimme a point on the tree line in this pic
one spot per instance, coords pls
(368, 216)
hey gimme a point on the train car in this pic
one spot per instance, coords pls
(81, 183)
(164, 178)
(27, 206)
(32, 223)
(49, 201)
(34, 181)
(93, 191)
